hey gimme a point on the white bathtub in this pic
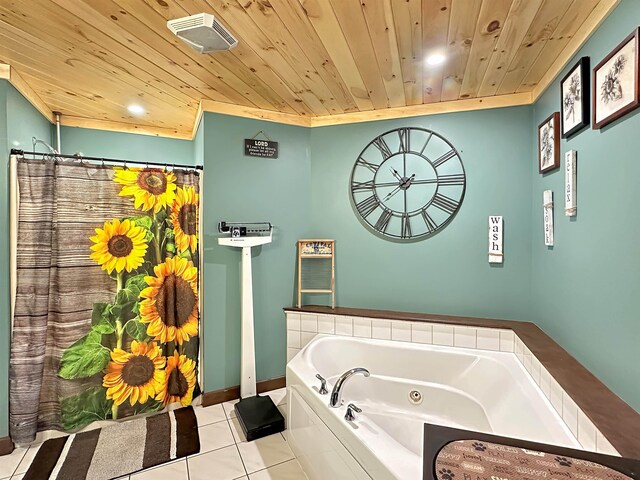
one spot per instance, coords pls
(471, 389)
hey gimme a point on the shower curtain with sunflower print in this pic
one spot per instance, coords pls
(106, 314)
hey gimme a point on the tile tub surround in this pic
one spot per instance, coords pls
(599, 419)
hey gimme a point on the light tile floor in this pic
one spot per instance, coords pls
(224, 452)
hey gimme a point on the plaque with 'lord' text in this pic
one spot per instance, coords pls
(260, 148)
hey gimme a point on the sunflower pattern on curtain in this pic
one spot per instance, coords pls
(106, 321)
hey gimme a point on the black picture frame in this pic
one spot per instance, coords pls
(549, 143)
(617, 78)
(574, 99)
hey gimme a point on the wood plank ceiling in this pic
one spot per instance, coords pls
(90, 59)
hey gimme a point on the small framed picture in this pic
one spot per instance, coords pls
(574, 101)
(549, 143)
(615, 83)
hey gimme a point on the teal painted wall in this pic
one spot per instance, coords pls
(19, 121)
(239, 188)
(126, 146)
(585, 288)
(447, 273)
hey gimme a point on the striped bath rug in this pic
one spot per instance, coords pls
(118, 450)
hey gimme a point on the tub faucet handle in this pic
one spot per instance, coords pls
(323, 385)
(350, 416)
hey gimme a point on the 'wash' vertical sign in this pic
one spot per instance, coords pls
(495, 239)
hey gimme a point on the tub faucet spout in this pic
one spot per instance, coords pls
(336, 394)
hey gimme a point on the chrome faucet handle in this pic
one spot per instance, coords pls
(323, 385)
(350, 416)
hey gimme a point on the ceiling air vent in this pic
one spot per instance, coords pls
(203, 32)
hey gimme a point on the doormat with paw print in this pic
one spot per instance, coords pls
(464, 455)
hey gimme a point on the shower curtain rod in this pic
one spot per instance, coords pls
(15, 151)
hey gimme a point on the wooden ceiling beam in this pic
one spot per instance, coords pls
(255, 113)
(7, 72)
(72, 121)
(435, 108)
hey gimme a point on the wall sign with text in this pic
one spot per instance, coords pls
(495, 239)
(570, 167)
(260, 148)
(547, 205)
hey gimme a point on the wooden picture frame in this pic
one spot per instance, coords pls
(574, 99)
(616, 90)
(549, 143)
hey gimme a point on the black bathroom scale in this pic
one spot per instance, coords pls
(259, 417)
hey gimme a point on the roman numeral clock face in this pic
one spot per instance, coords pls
(408, 183)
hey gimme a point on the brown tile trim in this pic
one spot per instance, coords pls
(6, 446)
(615, 419)
(408, 316)
(231, 393)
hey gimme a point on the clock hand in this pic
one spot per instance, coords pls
(403, 186)
(396, 174)
(389, 184)
(424, 182)
(391, 194)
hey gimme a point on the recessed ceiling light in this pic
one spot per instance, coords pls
(135, 109)
(436, 59)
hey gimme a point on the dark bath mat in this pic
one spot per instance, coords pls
(454, 454)
(117, 450)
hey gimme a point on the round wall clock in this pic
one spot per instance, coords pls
(408, 183)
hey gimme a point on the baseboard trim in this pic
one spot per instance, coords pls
(6, 446)
(232, 393)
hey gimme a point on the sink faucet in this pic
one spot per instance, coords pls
(336, 394)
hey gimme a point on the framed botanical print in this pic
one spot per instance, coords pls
(574, 101)
(615, 83)
(549, 143)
